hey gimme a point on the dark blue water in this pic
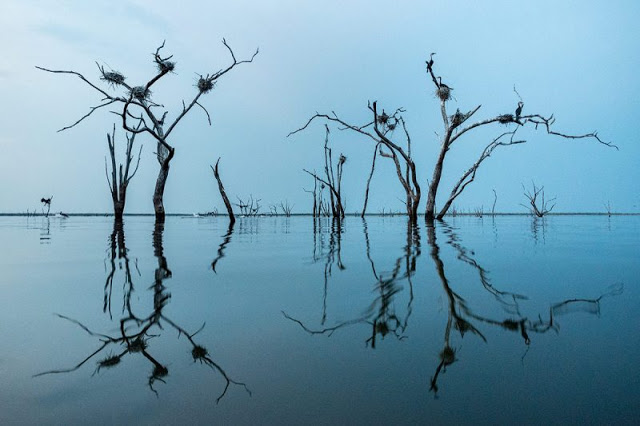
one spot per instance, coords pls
(476, 321)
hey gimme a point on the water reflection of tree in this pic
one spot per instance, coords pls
(134, 331)
(460, 316)
(381, 315)
(225, 242)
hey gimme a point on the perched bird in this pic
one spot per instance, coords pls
(430, 61)
(519, 109)
(442, 84)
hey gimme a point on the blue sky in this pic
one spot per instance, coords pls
(576, 59)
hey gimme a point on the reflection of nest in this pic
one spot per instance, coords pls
(444, 93)
(204, 85)
(113, 77)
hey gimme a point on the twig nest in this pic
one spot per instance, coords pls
(113, 77)
(137, 345)
(160, 371)
(204, 85)
(383, 118)
(457, 118)
(110, 361)
(198, 352)
(505, 118)
(166, 66)
(448, 355)
(510, 324)
(141, 93)
(443, 92)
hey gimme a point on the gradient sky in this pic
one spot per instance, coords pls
(577, 59)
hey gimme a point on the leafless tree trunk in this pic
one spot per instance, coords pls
(120, 177)
(495, 199)
(333, 183)
(366, 192)
(286, 208)
(137, 104)
(538, 206)
(454, 128)
(383, 126)
(223, 194)
(314, 212)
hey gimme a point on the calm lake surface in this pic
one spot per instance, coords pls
(508, 320)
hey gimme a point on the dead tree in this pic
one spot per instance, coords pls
(383, 127)
(538, 205)
(314, 212)
(333, 180)
(286, 208)
(250, 207)
(223, 193)
(136, 104)
(455, 128)
(120, 179)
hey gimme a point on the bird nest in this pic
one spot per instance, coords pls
(444, 93)
(113, 77)
(205, 85)
(457, 118)
(505, 118)
(166, 66)
(383, 118)
(141, 93)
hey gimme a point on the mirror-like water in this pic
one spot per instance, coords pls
(286, 321)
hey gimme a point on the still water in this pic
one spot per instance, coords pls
(279, 320)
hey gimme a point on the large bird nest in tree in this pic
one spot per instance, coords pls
(505, 119)
(141, 93)
(166, 66)
(114, 78)
(204, 84)
(443, 92)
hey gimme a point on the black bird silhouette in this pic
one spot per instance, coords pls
(519, 110)
(442, 84)
(46, 200)
(430, 61)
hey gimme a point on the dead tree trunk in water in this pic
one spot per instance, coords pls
(538, 206)
(383, 126)
(454, 129)
(333, 183)
(137, 105)
(119, 181)
(223, 194)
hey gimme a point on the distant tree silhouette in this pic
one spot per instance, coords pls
(120, 177)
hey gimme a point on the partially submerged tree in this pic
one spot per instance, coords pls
(455, 126)
(223, 193)
(120, 178)
(538, 205)
(383, 127)
(333, 179)
(136, 104)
